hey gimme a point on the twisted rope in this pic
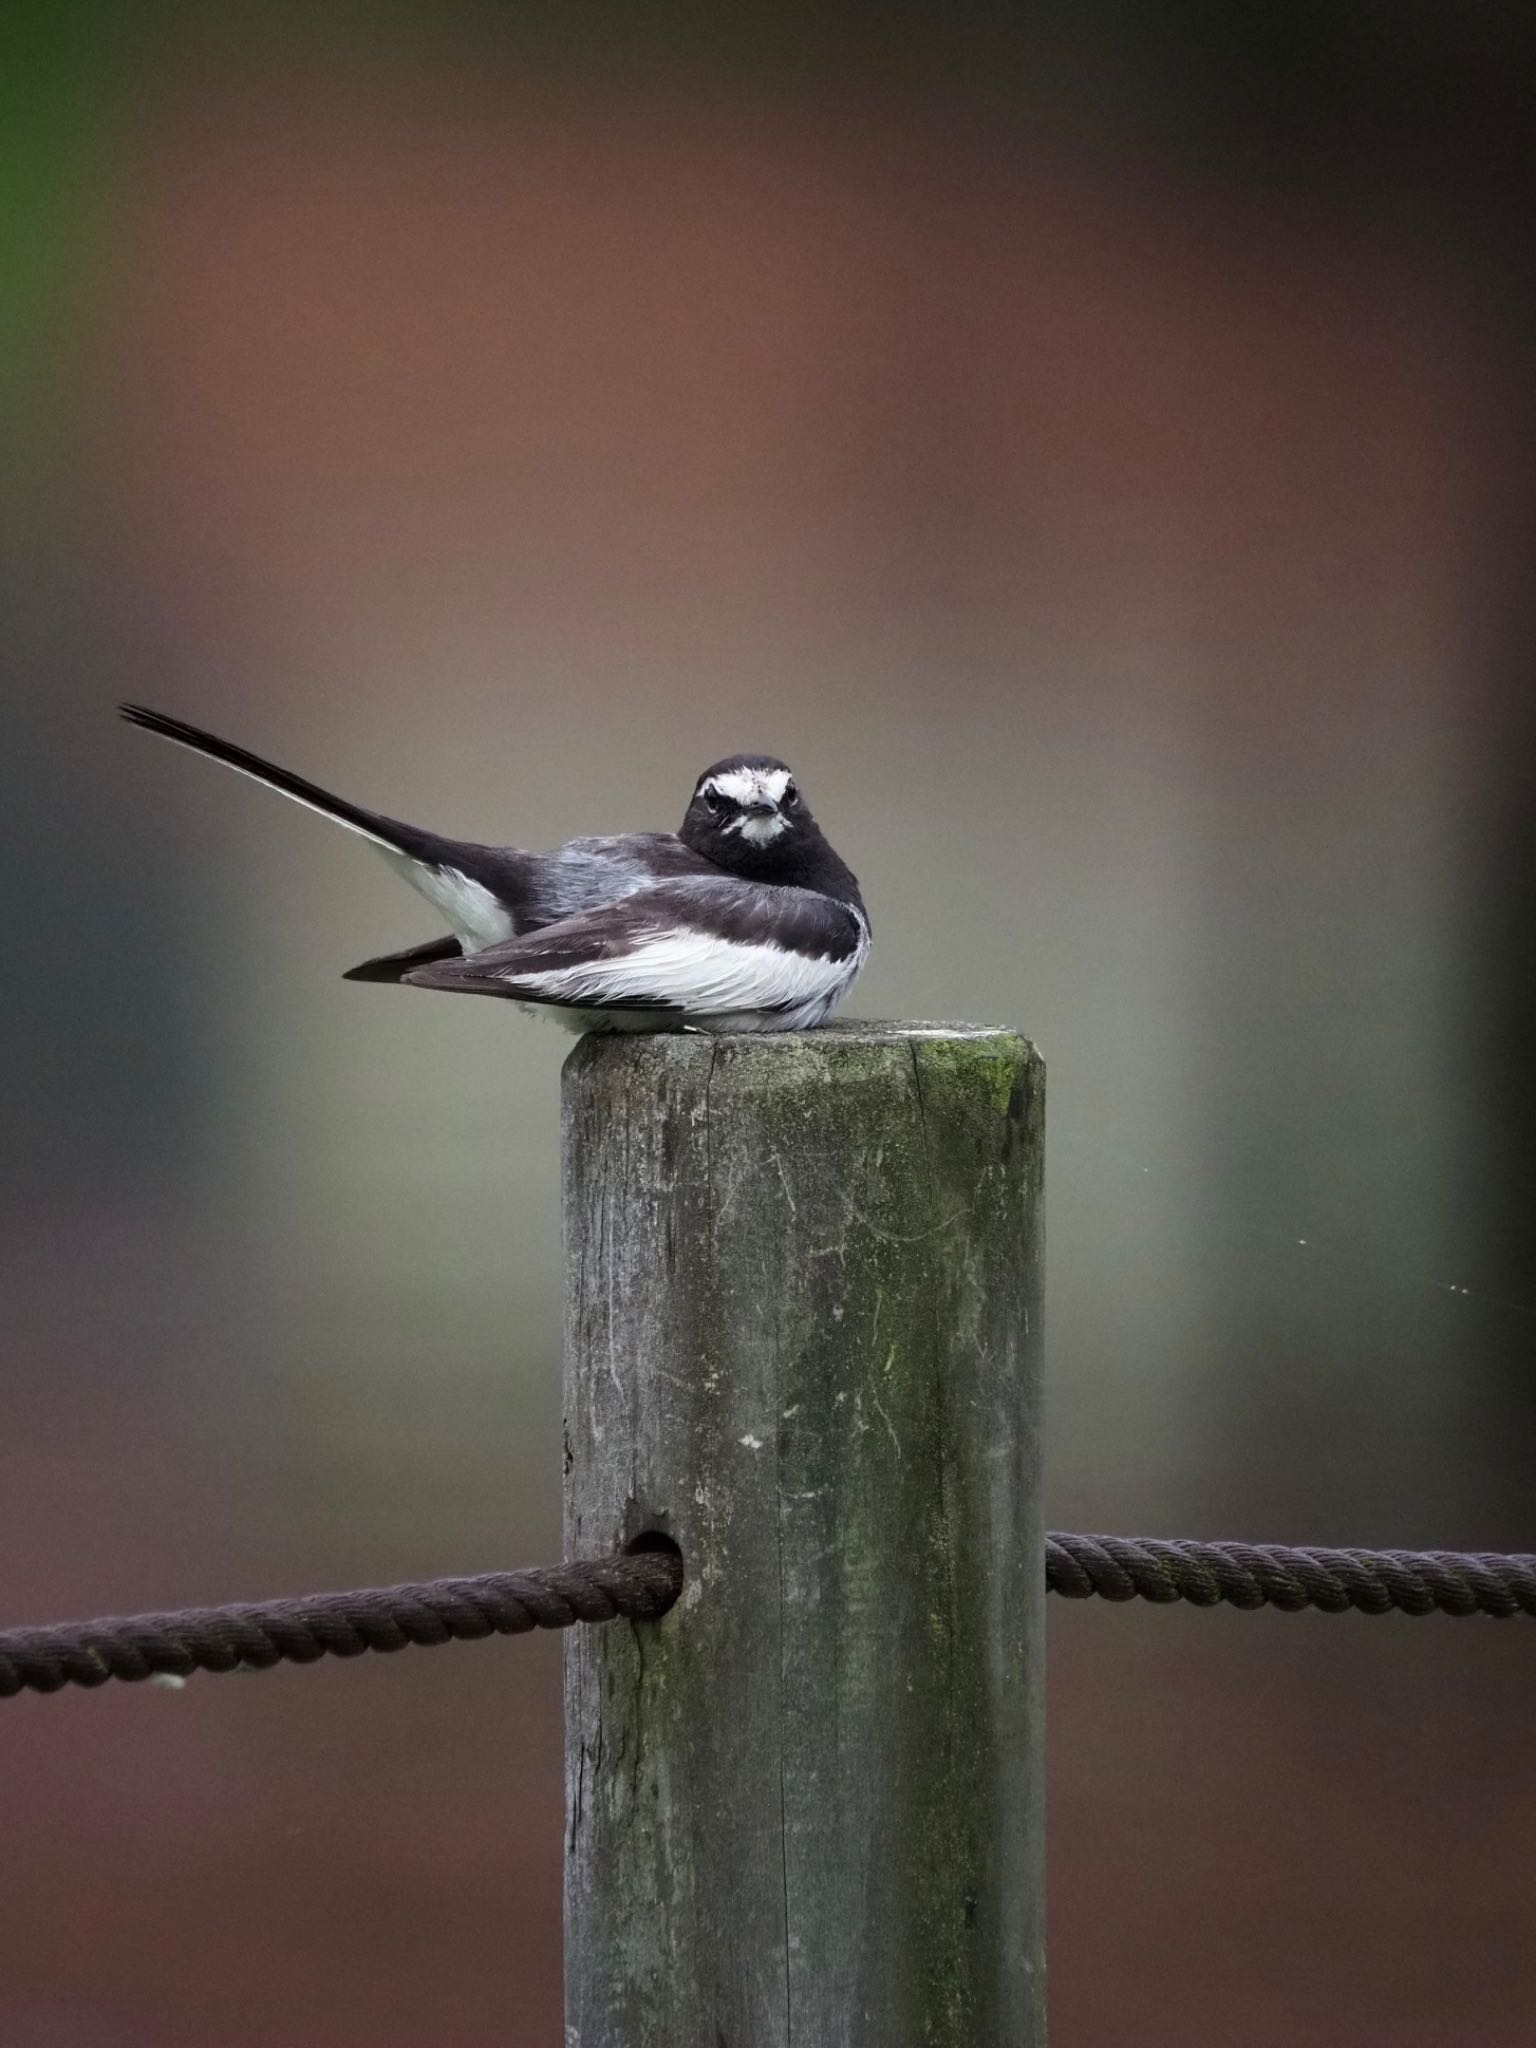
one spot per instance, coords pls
(1272, 1575)
(639, 1586)
(642, 1586)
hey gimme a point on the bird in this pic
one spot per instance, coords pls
(744, 919)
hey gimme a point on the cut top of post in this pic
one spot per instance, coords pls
(682, 1049)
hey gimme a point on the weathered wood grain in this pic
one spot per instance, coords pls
(805, 1810)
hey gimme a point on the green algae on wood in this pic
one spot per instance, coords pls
(803, 1340)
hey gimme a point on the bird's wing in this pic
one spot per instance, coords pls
(700, 948)
(586, 874)
(395, 966)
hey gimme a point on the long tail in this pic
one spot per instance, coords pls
(389, 833)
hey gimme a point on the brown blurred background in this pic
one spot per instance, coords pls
(1093, 444)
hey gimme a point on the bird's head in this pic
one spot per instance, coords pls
(747, 814)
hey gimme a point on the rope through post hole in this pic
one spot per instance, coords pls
(637, 1586)
(643, 1585)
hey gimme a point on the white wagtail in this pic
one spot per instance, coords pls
(744, 920)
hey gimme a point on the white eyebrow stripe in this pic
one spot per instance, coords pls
(751, 785)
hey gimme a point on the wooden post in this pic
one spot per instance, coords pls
(805, 1809)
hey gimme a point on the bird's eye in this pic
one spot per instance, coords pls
(791, 795)
(715, 802)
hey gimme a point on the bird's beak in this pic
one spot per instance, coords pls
(764, 807)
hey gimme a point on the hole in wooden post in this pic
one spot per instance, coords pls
(657, 1543)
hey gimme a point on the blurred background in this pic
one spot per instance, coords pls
(1094, 446)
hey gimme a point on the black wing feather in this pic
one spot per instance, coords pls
(395, 966)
